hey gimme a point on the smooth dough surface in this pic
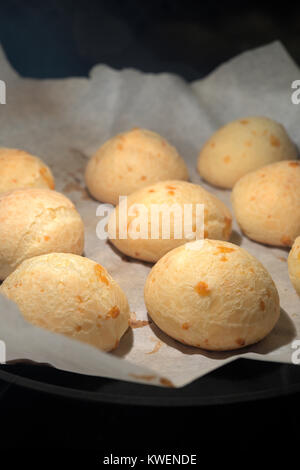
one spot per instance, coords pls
(20, 169)
(217, 218)
(242, 146)
(71, 295)
(34, 222)
(130, 161)
(218, 297)
(294, 265)
(266, 203)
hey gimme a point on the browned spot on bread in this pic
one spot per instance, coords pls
(240, 342)
(224, 249)
(227, 227)
(281, 258)
(252, 198)
(248, 143)
(293, 164)
(171, 193)
(151, 191)
(116, 344)
(100, 273)
(46, 238)
(202, 289)
(169, 186)
(137, 253)
(223, 258)
(262, 305)
(163, 143)
(13, 180)
(265, 132)
(205, 233)
(226, 159)
(253, 132)
(244, 121)
(156, 348)
(274, 141)
(185, 326)
(120, 146)
(114, 312)
(143, 178)
(129, 168)
(285, 240)
(251, 270)
(212, 145)
(166, 382)
(78, 328)
(46, 177)
(79, 299)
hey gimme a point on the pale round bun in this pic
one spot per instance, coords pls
(266, 203)
(218, 297)
(130, 161)
(217, 218)
(294, 265)
(72, 295)
(34, 222)
(242, 146)
(19, 169)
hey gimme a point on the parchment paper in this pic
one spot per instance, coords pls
(65, 121)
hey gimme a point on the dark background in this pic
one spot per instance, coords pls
(60, 38)
(66, 38)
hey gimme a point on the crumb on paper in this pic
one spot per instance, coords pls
(134, 323)
(157, 346)
(143, 377)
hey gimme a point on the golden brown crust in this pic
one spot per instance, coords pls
(34, 222)
(242, 146)
(20, 169)
(202, 301)
(67, 296)
(266, 203)
(131, 161)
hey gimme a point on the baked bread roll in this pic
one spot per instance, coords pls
(266, 203)
(217, 219)
(19, 169)
(243, 146)
(72, 295)
(130, 161)
(34, 222)
(218, 297)
(294, 265)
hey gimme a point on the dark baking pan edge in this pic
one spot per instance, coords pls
(129, 393)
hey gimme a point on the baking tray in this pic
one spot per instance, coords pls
(239, 381)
